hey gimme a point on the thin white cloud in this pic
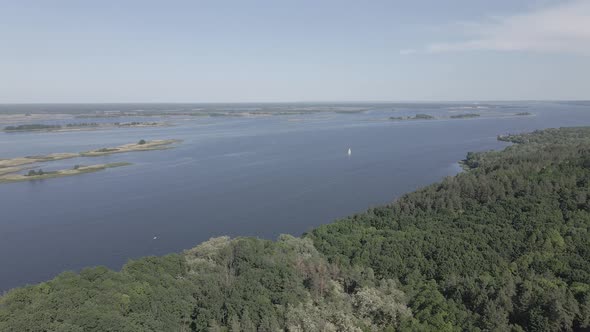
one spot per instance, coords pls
(560, 29)
(407, 51)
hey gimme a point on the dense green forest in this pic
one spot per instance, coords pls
(503, 246)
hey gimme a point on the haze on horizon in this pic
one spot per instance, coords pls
(271, 51)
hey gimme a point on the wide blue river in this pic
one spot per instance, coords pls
(237, 176)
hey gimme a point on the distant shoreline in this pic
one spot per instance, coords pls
(80, 127)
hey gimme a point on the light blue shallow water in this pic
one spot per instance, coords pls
(236, 176)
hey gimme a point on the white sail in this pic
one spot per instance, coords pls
(349, 151)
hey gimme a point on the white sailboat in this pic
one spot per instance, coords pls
(349, 151)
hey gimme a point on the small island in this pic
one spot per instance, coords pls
(465, 116)
(419, 116)
(140, 146)
(523, 114)
(40, 174)
(10, 167)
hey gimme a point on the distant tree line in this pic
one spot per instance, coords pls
(35, 172)
(465, 116)
(31, 127)
(83, 124)
(419, 116)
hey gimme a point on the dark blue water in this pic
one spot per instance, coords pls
(237, 176)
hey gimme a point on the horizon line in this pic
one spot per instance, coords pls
(295, 102)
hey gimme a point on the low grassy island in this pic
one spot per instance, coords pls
(415, 117)
(7, 170)
(10, 167)
(40, 174)
(19, 161)
(465, 116)
(503, 246)
(142, 145)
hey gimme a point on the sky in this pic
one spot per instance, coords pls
(288, 51)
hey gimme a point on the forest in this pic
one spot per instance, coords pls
(503, 246)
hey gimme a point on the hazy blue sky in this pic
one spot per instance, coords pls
(232, 51)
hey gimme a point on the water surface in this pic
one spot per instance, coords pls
(258, 176)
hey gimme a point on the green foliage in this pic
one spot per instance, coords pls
(148, 295)
(244, 284)
(35, 173)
